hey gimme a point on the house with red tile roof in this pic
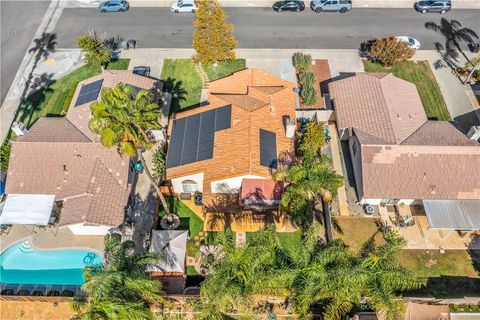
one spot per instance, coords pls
(62, 157)
(235, 140)
(401, 157)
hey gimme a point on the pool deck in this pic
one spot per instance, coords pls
(50, 238)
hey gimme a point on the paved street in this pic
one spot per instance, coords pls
(261, 27)
(20, 20)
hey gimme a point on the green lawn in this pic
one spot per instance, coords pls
(290, 241)
(180, 78)
(54, 99)
(419, 73)
(224, 69)
(189, 221)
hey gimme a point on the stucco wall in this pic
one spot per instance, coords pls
(177, 182)
(231, 184)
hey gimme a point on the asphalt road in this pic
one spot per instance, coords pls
(19, 22)
(261, 27)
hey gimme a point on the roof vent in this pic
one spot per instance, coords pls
(474, 133)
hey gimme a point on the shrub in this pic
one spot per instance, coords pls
(390, 50)
(5, 155)
(159, 163)
(94, 49)
(307, 79)
(67, 293)
(309, 96)
(37, 293)
(302, 61)
(53, 293)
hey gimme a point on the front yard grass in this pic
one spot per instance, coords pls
(420, 74)
(182, 81)
(224, 69)
(54, 99)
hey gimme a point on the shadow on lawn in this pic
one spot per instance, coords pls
(178, 92)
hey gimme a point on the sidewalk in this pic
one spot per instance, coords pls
(457, 4)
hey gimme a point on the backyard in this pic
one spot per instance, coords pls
(419, 73)
(182, 80)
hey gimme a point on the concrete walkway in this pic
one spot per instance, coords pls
(337, 166)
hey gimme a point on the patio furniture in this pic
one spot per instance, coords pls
(170, 222)
(185, 196)
(407, 222)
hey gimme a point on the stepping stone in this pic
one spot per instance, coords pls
(190, 261)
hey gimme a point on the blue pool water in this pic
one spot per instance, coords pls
(22, 264)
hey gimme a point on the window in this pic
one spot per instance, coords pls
(334, 2)
(189, 186)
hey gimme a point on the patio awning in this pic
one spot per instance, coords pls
(260, 192)
(31, 209)
(173, 245)
(453, 214)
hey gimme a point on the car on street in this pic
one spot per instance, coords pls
(433, 6)
(142, 71)
(183, 6)
(412, 42)
(296, 6)
(331, 5)
(113, 6)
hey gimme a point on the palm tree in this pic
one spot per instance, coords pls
(238, 273)
(122, 119)
(119, 288)
(332, 274)
(308, 182)
(454, 34)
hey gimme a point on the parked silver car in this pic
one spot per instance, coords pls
(433, 6)
(331, 5)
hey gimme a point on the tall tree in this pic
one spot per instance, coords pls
(122, 119)
(454, 34)
(240, 272)
(332, 275)
(212, 38)
(94, 49)
(390, 51)
(119, 288)
(309, 181)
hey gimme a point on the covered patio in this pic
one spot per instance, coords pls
(436, 224)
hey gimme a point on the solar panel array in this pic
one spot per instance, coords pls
(193, 137)
(89, 92)
(268, 149)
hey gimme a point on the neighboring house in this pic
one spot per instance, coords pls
(89, 182)
(401, 157)
(237, 138)
(61, 157)
(171, 270)
(88, 91)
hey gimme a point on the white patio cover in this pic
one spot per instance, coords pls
(173, 245)
(31, 209)
(453, 214)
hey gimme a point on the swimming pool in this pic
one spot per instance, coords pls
(22, 264)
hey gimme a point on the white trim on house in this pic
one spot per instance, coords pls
(178, 186)
(231, 184)
(81, 229)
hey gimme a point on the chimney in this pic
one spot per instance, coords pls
(289, 127)
(474, 133)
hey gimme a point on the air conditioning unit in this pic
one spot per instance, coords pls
(369, 210)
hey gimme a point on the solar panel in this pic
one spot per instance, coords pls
(268, 149)
(193, 137)
(89, 92)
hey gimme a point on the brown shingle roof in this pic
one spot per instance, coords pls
(80, 115)
(53, 130)
(83, 170)
(380, 105)
(421, 172)
(438, 133)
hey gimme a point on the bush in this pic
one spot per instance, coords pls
(53, 293)
(302, 61)
(307, 79)
(390, 50)
(309, 96)
(159, 163)
(37, 293)
(5, 155)
(67, 293)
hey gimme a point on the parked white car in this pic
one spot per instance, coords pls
(184, 6)
(412, 42)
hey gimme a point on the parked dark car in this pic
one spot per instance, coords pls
(113, 6)
(142, 71)
(296, 6)
(433, 6)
